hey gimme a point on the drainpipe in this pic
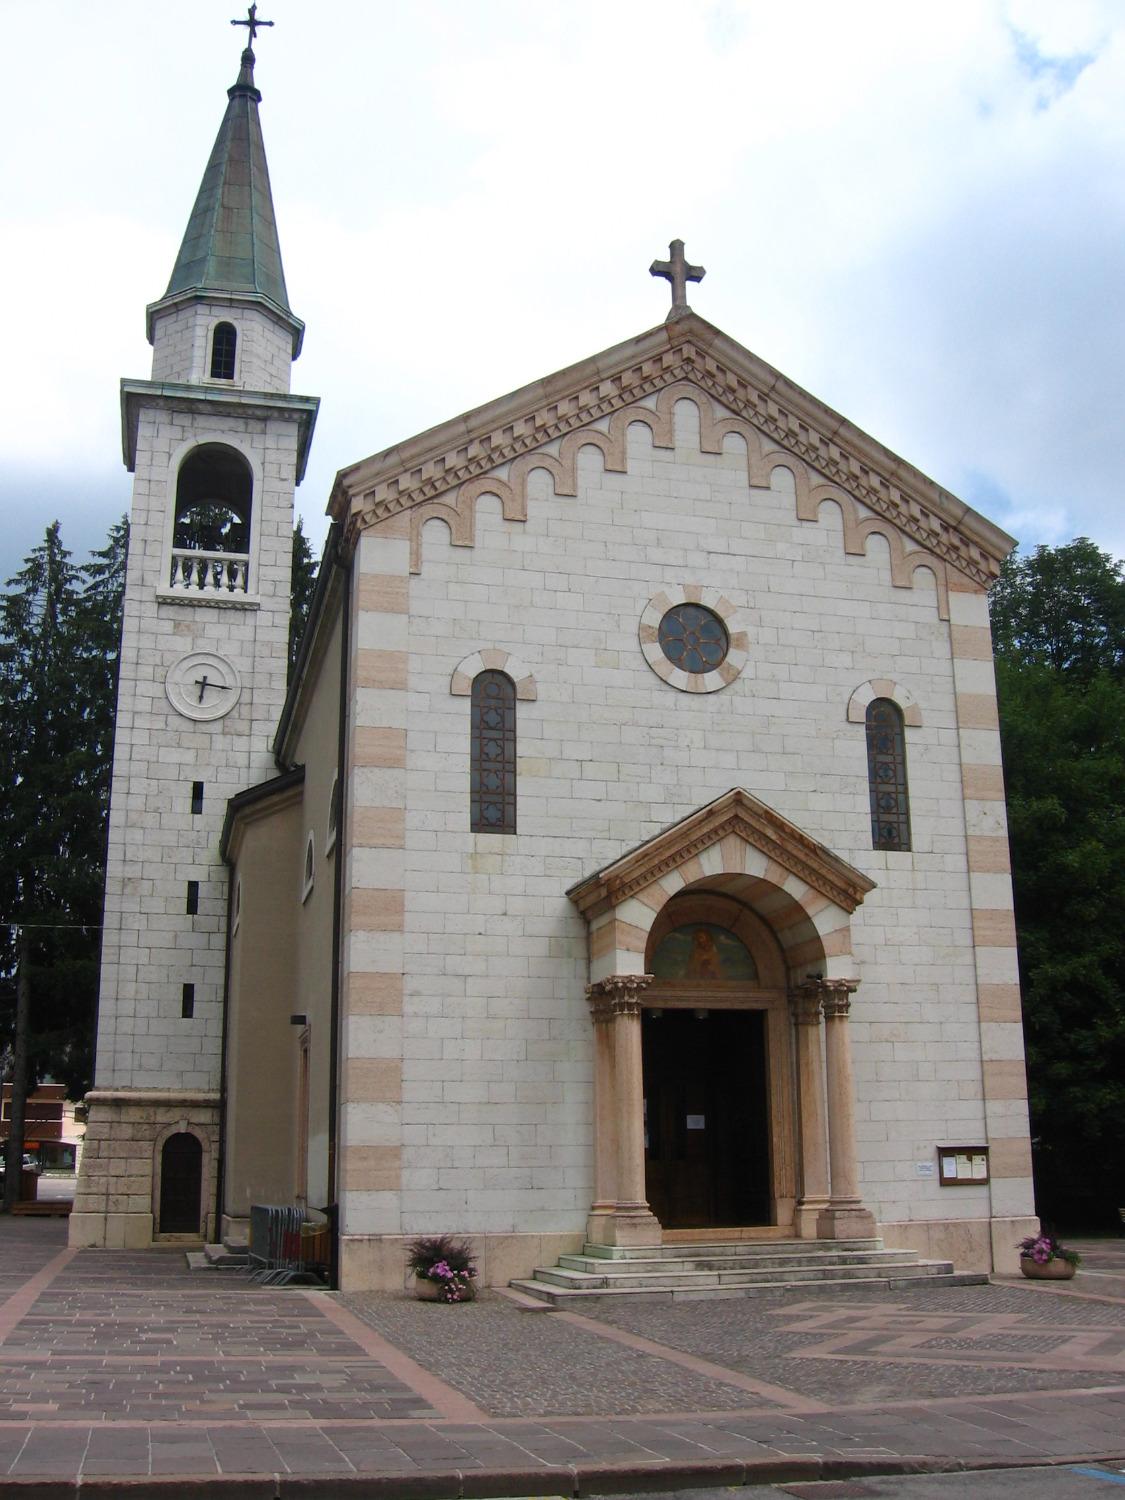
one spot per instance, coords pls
(344, 565)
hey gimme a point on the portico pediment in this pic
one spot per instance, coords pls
(735, 816)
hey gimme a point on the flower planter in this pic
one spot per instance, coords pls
(1049, 1270)
(426, 1290)
(443, 1268)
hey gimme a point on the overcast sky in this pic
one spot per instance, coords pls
(915, 211)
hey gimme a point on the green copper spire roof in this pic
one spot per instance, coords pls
(230, 247)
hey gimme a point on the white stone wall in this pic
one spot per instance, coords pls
(496, 1117)
(151, 946)
(182, 346)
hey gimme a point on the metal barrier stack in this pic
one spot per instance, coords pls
(276, 1245)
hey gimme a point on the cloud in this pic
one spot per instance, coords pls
(914, 215)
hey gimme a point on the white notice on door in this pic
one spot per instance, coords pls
(697, 1122)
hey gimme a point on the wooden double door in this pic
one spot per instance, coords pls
(707, 1130)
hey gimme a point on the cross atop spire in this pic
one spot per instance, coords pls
(679, 272)
(252, 23)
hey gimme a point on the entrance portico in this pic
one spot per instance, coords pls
(738, 871)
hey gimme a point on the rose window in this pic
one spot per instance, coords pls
(693, 638)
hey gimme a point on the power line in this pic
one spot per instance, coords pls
(55, 926)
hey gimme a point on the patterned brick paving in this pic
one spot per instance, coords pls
(116, 1365)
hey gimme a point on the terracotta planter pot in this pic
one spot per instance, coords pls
(426, 1290)
(1051, 1270)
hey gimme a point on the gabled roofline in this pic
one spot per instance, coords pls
(244, 805)
(685, 349)
(744, 815)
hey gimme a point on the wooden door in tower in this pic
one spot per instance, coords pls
(181, 1184)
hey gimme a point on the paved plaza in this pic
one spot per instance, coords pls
(120, 1366)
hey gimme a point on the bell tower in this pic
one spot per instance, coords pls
(217, 444)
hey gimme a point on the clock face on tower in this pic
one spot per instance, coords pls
(202, 685)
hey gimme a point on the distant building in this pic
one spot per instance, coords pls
(51, 1134)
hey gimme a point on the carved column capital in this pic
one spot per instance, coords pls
(836, 998)
(815, 995)
(617, 995)
(804, 1003)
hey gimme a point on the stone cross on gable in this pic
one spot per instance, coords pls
(679, 272)
(252, 23)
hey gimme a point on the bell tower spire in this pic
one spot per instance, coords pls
(230, 249)
(217, 443)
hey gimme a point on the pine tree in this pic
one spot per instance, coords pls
(302, 589)
(59, 629)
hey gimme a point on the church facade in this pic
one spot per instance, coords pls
(628, 852)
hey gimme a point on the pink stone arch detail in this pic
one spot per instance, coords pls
(883, 687)
(492, 659)
(814, 933)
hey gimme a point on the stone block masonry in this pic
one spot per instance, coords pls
(160, 1023)
(491, 1090)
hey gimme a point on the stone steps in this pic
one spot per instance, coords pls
(672, 1249)
(229, 1256)
(678, 1272)
(597, 1265)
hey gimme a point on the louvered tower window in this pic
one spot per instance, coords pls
(224, 342)
(492, 786)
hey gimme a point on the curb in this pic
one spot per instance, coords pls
(574, 1481)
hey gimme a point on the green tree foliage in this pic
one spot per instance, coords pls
(1058, 620)
(210, 526)
(301, 591)
(1062, 608)
(59, 628)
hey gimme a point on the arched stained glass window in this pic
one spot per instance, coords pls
(492, 787)
(224, 342)
(886, 776)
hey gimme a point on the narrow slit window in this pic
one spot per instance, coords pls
(193, 898)
(333, 816)
(187, 1002)
(224, 342)
(886, 776)
(309, 873)
(196, 797)
(492, 771)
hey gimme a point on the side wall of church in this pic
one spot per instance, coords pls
(279, 995)
(261, 1049)
(317, 749)
(491, 1041)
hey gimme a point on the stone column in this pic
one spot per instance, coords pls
(605, 1119)
(621, 1156)
(845, 1217)
(804, 1004)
